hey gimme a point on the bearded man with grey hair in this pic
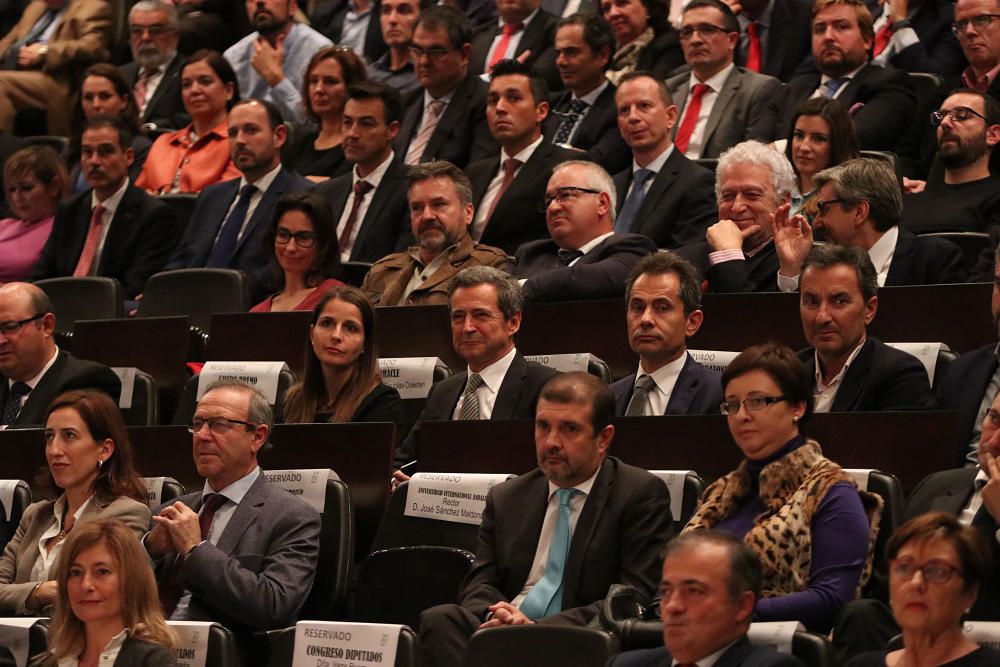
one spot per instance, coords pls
(154, 75)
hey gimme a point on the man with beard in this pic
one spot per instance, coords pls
(441, 210)
(155, 73)
(270, 62)
(963, 196)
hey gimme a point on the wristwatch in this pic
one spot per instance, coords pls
(899, 25)
(43, 50)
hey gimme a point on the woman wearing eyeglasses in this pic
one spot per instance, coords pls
(306, 254)
(804, 516)
(936, 565)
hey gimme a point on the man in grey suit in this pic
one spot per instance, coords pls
(722, 104)
(240, 551)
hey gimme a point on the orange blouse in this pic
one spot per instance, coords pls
(175, 164)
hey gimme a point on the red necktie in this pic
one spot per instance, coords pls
(882, 38)
(510, 166)
(753, 52)
(361, 188)
(509, 30)
(686, 129)
(83, 267)
(142, 88)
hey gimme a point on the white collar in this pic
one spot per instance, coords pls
(237, 490)
(494, 374)
(714, 82)
(374, 178)
(264, 182)
(666, 375)
(882, 250)
(525, 153)
(583, 487)
(593, 243)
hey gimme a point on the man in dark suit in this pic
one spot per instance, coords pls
(662, 311)
(114, 229)
(726, 577)
(860, 205)
(239, 551)
(154, 75)
(584, 258)
(880, 101)
(445, 118)
(722, 104)
(353, 24)
(485, 305)
(853, 372)
(584, 115)
(524, 32)
(534, 563)
(782, 34)
(371, 200)
(916, 36)
(33, 369)
(508, 191)
(231, 218)
(664, 196)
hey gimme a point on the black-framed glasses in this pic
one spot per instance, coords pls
(155, 30)
(978, 22)
(302, 239)
(7, 328)
(752, 403)
(933, 571)
(565, 195)
(219, 425)
(958, 114)
(823, 206)
(432, 53)
(704, 29)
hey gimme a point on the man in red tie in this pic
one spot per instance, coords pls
(523, 31)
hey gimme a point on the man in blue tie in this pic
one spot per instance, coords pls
(554, 540)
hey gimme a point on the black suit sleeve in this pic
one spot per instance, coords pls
(887, 113)
(153, 248)
(382, 404)
(604, 278)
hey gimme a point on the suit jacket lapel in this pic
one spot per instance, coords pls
(526, 177)
(43, 392)
(661, 184)
(120, 226)
(590, 127)
(169, 76)
(590, 515)
(722, 102)
(854, 380)
(622, 401)
(452, 116)
(244, 515)
(956, 498)
(391, 179)
(680, 97)
(264, 207)
(528, 533)
(684, 389)
(736, 654)
(510, 388)
(902, 258)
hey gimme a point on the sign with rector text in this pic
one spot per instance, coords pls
(455, 497)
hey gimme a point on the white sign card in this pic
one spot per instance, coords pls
(127, 376)
(309, 484)
(192, 642)
(328, 644)
(262, 375)
(927, 353)
(777, 634)
(564, 363)
(860, 476)
(154, 490)
(14, 635)
(412, 377)
(717, 360)
(7, 487)
(984, 633)
(674, 479)
(455, 497)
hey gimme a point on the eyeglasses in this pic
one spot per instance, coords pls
(978, 22)
(705, 29)
(822, 206)
(156, 30)
(565, 195)
(302, 239)
(219, 425)
(934, 571)
(752, 403)
(7, 328)
(958, 114)
(432, 53)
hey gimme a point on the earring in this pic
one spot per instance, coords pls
(795, 419)
(100, 462)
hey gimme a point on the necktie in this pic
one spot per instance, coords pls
(753, 50)
(569, 119)
(470, 400)
(566, 257)
(36, 32)
(170, 586)
(12, 407)
(882, 38)
(432, 114)
(510, 167)
(545, 597)
(686, 129)
(831, 87)
(361, 188)
(640, 396)
(84, 266)
(225, 245)
(142, 88)
(509, 30)
(626, 216)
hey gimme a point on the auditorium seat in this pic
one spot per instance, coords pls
(84, 298)
(398, 530)
(279, 648)
(145, 407)
(57, 143)
(811, 648)
(888, 487)
(691, 487)
(412, 406)
(222, 650)
(889, 158)
(276, 337)
(189, 401)
(353, 273)
(162, 490)
(182, 204)
(972, 244)
(15, 495)
(539, 645)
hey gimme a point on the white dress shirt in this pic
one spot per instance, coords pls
(825, 395)
(485, 206)
(108, 655)
(41, 570)
(714, 83)
(493, 376)
(110, 206)
(665, 378)
(374, 179)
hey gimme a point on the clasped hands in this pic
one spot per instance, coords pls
(176, 530)
(504, 613)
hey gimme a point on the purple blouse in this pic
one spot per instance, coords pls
(21, 245)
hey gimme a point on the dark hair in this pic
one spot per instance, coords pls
(43, 163)
(581, 387)
(116, 476)
(597, 33)
(991, 107)
(511, 67)
(745, 570)
(392, 101)
(843, 137)
(729, 21)
(667, 261)
(130, 114)
(509, 298)
(441, 169)
(449, 18)
(317, 209)
(973, 554)
(303, 399)
(352, 68)
(829, 255)
(661, 85)
(274, 118)
(783, 366)
(116, 123)
(865, 22)
(869, 180)
(222, 69)
(658, 12)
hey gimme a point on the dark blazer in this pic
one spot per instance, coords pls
(961, 387)
(165, 109)
(210, 212)
(754, 274)
(539, 38)
(66, 374)
(142, 234)
(328, 18)
(880, 378)
(885, 96)
(516, 218)
(697, 391)
(600, 274)
(938, 50)
(741, 111)
(786, 42)
(597, 133)
(382, 404)
(461, 135)
(662, 55)
(516, 400)
(680, 203)
(618, 538)
(133, 653)
(925, 260)
(385, 228)
(740, 654)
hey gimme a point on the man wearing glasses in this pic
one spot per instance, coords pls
(34, 369)
(154, 74)
(239, 551)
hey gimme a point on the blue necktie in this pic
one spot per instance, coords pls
(831, 87)
(225, 245)
(633, 202)
(545, 597)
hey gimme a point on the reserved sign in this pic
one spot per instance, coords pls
(262, 375)
(564, 363)
(455, 497)
(327, 644)
(309, 484)
(192, 642)
(412, 377)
